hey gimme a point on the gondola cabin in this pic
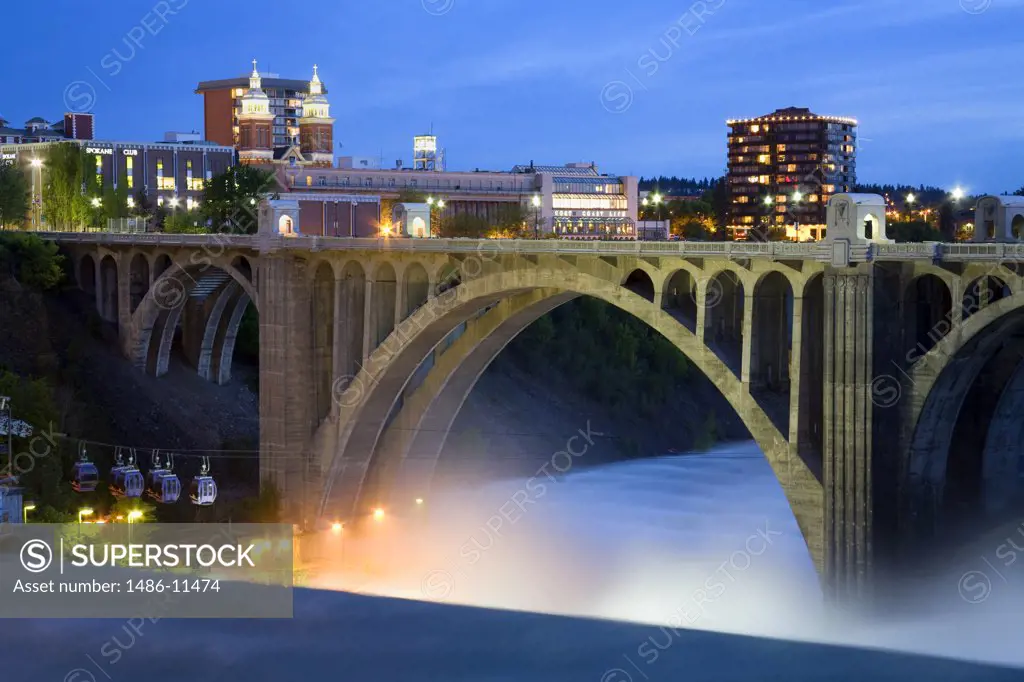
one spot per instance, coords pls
(84, 477)
(127, 482)
(164, 486)
(204, 491)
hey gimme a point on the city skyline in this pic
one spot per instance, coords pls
(648, 96)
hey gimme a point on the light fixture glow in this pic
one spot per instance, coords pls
(958, 193)
(536, 201)
(911, 198)
(36, 163)
(132, 515)
(797, 196)
(430, 200)
(174, 201)
(440, 203)
(419, 500)
(97, 202)
(336, 527)
(378, 514)
(768, 201)
(82, 513)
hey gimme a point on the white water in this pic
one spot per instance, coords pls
(697, 541)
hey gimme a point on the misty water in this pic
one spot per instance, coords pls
(701, 541)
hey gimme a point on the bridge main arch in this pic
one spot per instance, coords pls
(964, 403)
(347, 454)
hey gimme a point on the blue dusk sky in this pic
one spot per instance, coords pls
(642, 88)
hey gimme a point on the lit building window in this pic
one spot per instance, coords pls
(160, 201)
(129, 172)
(131, 202)
(99, 170)
(755, 128)
(161, 181)
(764, 158)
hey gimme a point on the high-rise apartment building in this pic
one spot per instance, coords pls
(784, 167)
(223, 104)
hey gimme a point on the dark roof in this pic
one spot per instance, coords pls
(280, 152)
(243, 82)
(36, 119)
(793, 111)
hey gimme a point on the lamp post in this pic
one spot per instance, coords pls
(82, 513)
(910, 206)
(24, 512)
(536, 215)
(797, 197)
(37, 190)
(132, 515)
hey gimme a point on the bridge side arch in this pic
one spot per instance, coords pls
(157, 316)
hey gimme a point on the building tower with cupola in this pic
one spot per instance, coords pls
(316, 127)
(255, 124)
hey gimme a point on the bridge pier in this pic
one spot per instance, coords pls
(861, 424)
(287, 396)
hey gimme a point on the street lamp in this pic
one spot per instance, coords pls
(37, 190)
(958, 193)
(440, 203)
(430, 200)
(910, 202)
(132, 515)
(797, 196)
(82, 513)
(536, 215)
(24, 512)
(97, 202)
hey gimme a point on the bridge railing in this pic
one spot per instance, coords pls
(930, 251)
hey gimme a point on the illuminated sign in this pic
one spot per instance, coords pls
(8, 156)
(130, 152)
(425, 143)
(99, 150)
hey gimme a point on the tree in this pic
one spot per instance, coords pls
(718, 198)
(143, 205)
(185, 222)
(913, 231)
(464, 225)
(66, 206)
(511, 221)
(31, 260)
(40, 469)
(947, 221)
(231, 200)
(14, 196)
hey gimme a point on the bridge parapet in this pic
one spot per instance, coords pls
(811, 251)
